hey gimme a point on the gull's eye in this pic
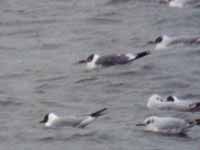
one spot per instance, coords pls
(158, 99)
(158, 39)
(148, 122)
(90, 58)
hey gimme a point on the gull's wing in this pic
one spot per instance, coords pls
(173, 125)
(70, 121)
(109, 60)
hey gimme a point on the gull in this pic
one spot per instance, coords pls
(168, 125)
(163, 41)
(94, 60)
(53, 120)
(172, 103)
(174, 3)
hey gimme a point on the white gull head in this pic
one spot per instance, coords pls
(162, 42)
(91, 61)
(49, 119)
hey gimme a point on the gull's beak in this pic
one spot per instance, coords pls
(164, 1)
(151, 42)
(140, 124)
(82, 61)
(41, 121)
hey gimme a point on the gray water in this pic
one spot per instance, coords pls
(40, 41)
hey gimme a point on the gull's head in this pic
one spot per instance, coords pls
(90, 58)
(148, 121)
(162, 42)
(90, 61)
(49, 118)
(156, 98)
(159, 39)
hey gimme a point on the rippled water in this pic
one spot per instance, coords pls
(40, 41)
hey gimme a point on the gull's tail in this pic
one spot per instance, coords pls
(142, 54)
(98, 113)
(195, 107)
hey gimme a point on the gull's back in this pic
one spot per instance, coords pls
(68, 121)
(114, 59)
(172, 125)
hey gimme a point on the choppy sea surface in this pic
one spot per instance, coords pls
(40, 42)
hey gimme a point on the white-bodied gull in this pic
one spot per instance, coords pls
(172, 103)
(52, 120)
(168, 125)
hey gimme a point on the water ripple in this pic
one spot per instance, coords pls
(84, 80)
(52, 78)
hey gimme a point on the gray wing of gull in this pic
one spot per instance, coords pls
(186, 40)
(173, 124)
(110, 60)
(69, 121)
(181, 106)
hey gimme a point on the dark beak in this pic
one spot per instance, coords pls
(151, 42)
(163, 2)
(41, 121)
(140, 124)
(82, 62)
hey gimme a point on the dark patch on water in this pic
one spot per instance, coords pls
(52, 79)
(191, 96)
(176, 84)
(29, 22)
(12, 76)
(114, 2)
(10, 101)
(101, 20)
(86, 80)
(76, 136)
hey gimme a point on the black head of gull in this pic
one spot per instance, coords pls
(159, 39)
(49, 119)
(88, 59)
(45, 119)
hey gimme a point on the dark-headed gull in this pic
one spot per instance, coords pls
(94, 60)
(164, 41)
(52, 120)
